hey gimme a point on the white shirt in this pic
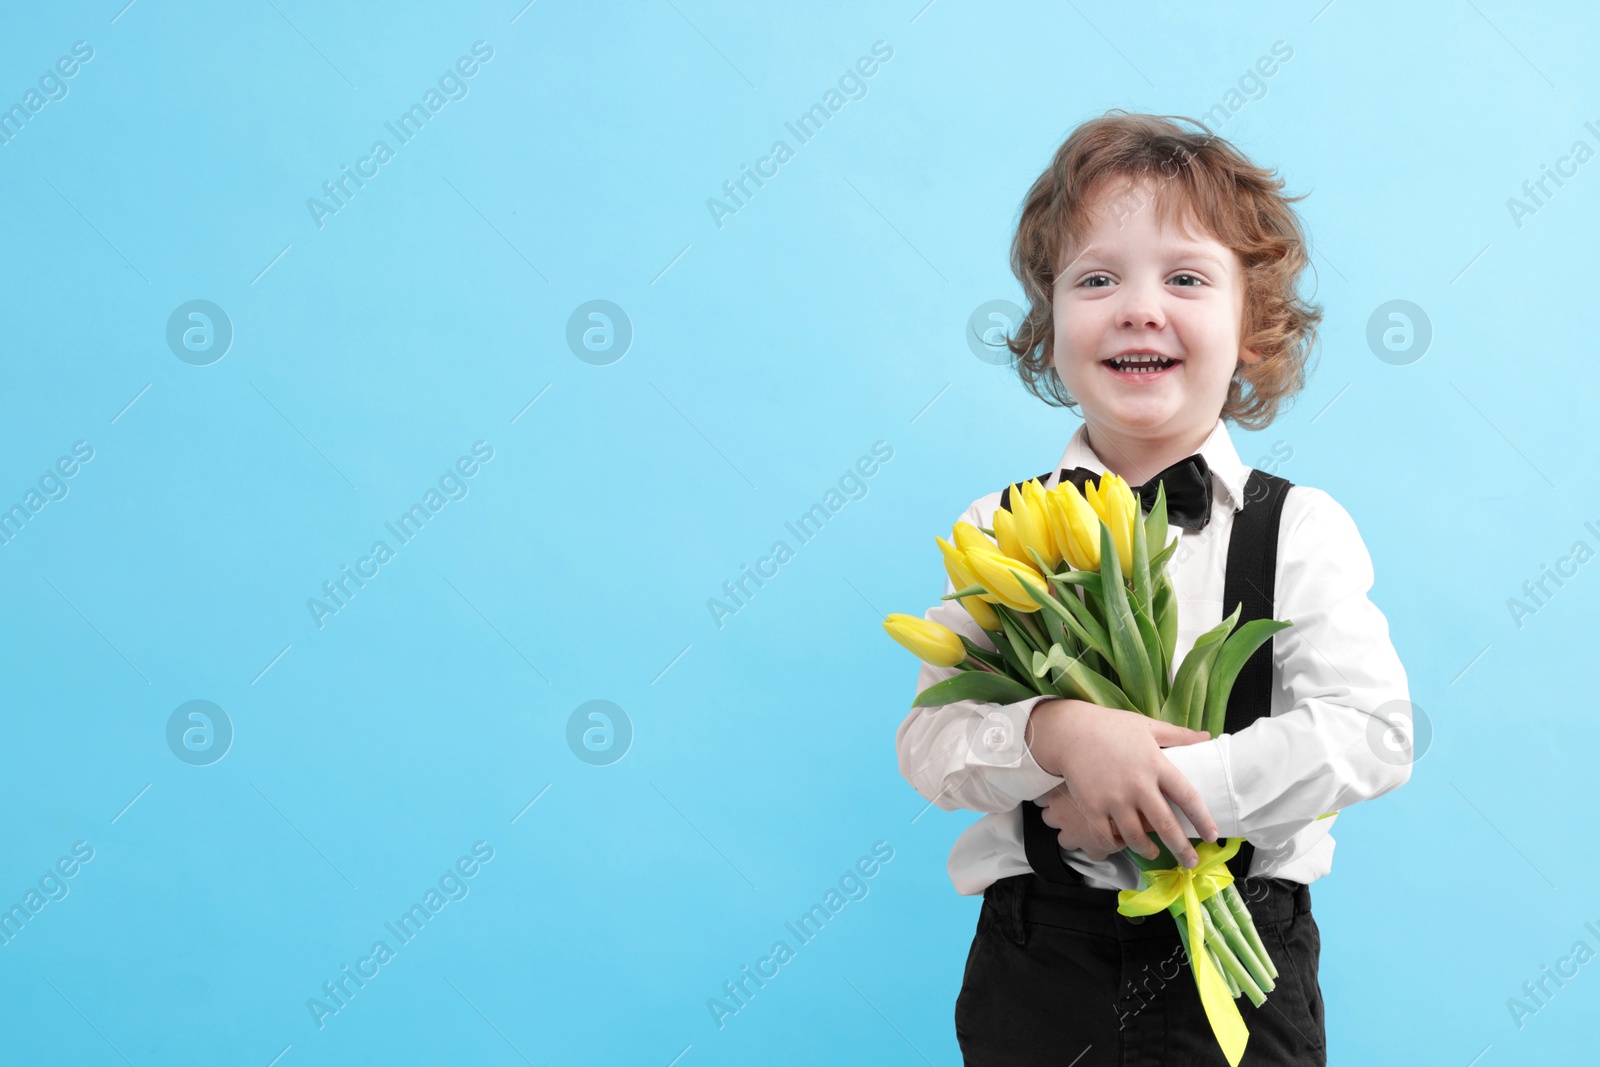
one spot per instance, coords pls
(1339, 732)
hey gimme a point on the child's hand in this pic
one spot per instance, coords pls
(1119, 780)
(1062, 813)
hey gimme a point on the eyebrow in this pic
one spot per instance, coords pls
(1192, 251)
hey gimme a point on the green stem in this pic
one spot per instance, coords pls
(1030, 619)
(1230, 962)
(1224, 921)
(1241, 914)
(1233, 987)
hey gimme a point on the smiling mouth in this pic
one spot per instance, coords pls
(1139, 364)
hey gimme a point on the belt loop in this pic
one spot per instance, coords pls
(1016, 911)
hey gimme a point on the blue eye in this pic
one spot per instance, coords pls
(1188, 275)
(1094, 277)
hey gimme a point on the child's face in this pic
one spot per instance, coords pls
(1135, 285)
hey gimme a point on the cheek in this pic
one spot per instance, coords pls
(1075, 333)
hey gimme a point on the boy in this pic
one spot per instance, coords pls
(1161, 269)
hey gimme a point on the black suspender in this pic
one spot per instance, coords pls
(1251, 570)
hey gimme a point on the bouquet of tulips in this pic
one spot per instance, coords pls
(1078, 607)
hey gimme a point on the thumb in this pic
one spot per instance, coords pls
(1166, 734)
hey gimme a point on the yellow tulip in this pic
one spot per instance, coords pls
(1076, 526)
(1006, 578)
(955, 565)
(961, 576)
(981, 612)
(1027, 525)
(928, 641)
(967, 537)
(1114, 502)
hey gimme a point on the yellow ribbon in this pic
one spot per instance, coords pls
(1180, 890)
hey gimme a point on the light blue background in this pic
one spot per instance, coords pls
(769, 354)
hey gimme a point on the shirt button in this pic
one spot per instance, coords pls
(1134, 919)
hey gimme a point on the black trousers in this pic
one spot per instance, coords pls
(1056, 976)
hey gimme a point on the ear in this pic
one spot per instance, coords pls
(1249, 355)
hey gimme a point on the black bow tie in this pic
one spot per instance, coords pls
(1188, 484)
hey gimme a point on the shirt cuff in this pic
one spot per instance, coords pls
(1206, 768)
(998, 745)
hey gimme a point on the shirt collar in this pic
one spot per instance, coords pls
(1228, 473)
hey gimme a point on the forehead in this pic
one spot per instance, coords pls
(1121, 207)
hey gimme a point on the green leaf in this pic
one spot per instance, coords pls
(971, 590)
(1159, 672)
(1057, 660)
(1155, 523)
(1127, 647)
(1089, 580)
(1002, 642)
(1166, 610)
(1142, 601)
(1053, 624)
(1158, 562)
(1238, 649)
(974, 685)
(1085, 683)
(1041, 662)
(1187, 691)
(1022, 642)
(981, 654)
(1195, 699)
(1141, 565)
(1070, 612)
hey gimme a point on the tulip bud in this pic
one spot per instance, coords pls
(929, 641)
(961, 576)
(967, 537)
(1006, 578)
(1115, 503)
(1026, 525)
(1077, 527)
(981, 612)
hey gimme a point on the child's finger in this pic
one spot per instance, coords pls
(1182, 792)
(1166, 824)
(1167, 734)
(1130, 827)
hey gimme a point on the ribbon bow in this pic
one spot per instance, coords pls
(1180, 890)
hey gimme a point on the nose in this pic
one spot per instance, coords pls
(1139, 305)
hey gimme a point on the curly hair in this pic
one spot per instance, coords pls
(1211, 183)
